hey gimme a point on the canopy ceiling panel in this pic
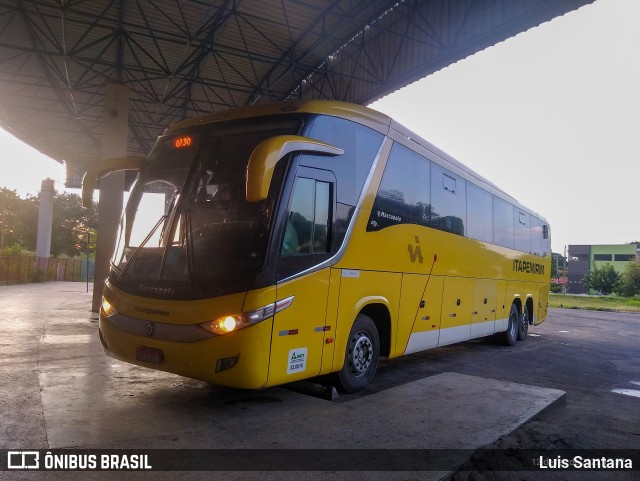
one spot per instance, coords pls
(183, 58)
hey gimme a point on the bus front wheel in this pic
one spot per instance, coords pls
(361, 356)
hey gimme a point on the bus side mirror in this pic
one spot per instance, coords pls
(545, 231)
(102, 168)
(265, 156)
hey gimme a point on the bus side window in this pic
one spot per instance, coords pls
(503, 230)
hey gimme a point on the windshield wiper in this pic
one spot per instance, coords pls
(189, 243)
(142, 244)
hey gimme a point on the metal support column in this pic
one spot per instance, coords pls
(114, 144)
(45, 223)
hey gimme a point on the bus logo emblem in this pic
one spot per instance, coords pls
(415, 252)
(149, 328)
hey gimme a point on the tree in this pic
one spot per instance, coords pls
(604, 279)
(28, 224)
(9, 201)
(71, 225)
(630, 281)
(18, 220)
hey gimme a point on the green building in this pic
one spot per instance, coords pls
(616, 255)
(583, 258)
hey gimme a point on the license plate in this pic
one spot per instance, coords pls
(149, 354)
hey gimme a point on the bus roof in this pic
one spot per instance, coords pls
(349, 111)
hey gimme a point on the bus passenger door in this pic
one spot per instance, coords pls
(299, 330)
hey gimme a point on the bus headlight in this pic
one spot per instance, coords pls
(107, 308)
(224, 325)
(233, 322)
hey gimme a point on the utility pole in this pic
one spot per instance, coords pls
(566, 271)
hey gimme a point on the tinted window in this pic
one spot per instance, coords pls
(320, 244)
(308, 219)
(625, 257)
(403, 196)
(522, 231)
(537, 237)
(546, 240)
(360, 145)
(502, 223)
(603, 257)
(448, 200)
(479, 213)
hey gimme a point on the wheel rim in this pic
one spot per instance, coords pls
(360, 354)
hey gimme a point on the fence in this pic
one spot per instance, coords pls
(25, 269)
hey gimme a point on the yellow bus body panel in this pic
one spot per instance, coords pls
(358, 290)
(470, 284)
(299, 330)
(420, 307)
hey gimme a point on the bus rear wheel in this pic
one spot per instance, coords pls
(523, 325)
(361, 356)
(510, 336)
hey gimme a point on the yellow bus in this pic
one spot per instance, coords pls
(273, 243)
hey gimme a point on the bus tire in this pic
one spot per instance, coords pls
(361, 356)
(523, 325)
(510, 336)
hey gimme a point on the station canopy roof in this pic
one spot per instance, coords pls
(184, 58)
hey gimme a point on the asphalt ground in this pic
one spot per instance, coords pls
(592, 356)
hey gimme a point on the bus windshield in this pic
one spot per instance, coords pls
(187, 225)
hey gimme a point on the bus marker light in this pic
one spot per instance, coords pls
(328, 340)
(290, 332)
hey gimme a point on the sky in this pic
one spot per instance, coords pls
(552, 116)
(23, 168)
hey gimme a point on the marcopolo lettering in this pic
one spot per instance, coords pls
(156, 290)
(384, 215)
(528, 267)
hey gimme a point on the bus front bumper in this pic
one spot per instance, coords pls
(239, 359)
